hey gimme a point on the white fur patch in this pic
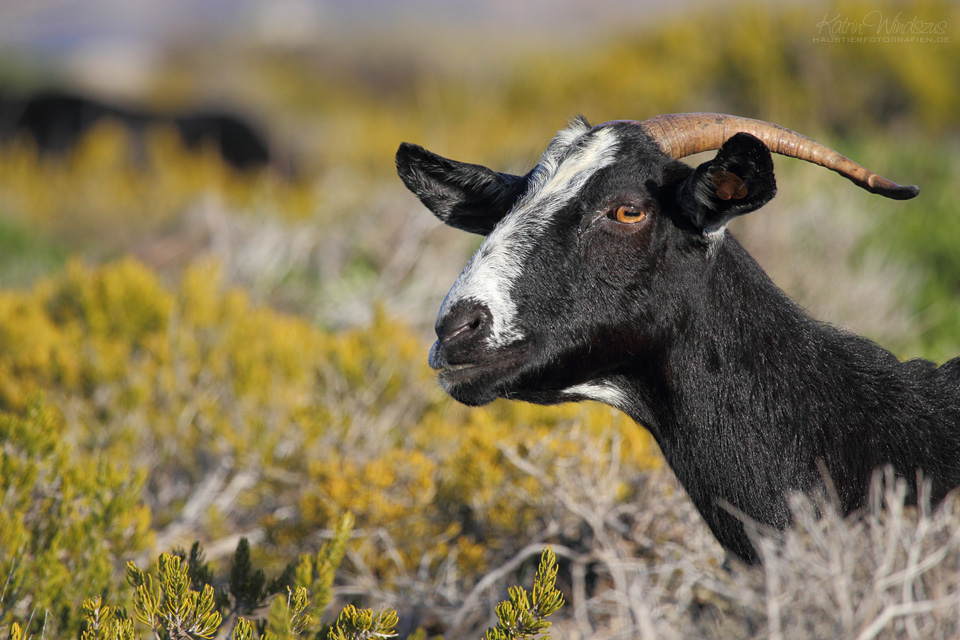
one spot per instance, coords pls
(569, 161)
(604, 392)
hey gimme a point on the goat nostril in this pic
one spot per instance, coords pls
(462, 323)
(463, 330)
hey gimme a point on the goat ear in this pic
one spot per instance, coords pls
(465, 196)
(737, 181)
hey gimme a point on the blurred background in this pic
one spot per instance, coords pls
(214, 279)
(322, 92)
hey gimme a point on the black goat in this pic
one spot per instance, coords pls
(607, 273)
(56, 120)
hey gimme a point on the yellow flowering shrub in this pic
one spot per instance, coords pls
(239, 416)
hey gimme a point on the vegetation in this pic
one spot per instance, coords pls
(190, 354)
(236, 418)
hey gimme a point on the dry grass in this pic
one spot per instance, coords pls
(650, 569)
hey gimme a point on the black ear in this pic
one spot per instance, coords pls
(737, 181)
(466, 196)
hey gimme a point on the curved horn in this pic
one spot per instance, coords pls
(684, 134)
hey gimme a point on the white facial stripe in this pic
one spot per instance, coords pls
(562, 172)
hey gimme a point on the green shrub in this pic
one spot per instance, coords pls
(523, 616)
(180, 600)
(68, 521)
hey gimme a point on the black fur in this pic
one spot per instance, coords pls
(744, 156)
(748, 397)
(465, 196)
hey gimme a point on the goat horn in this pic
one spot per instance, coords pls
(684, 134)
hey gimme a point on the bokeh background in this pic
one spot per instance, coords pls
(206, 344)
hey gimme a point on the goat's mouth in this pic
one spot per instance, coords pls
(482, 378)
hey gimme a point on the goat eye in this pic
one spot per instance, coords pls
(628, 214)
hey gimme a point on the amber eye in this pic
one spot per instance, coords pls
(628, 214)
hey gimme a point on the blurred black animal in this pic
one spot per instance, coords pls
(56, 121)
(607, 273)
